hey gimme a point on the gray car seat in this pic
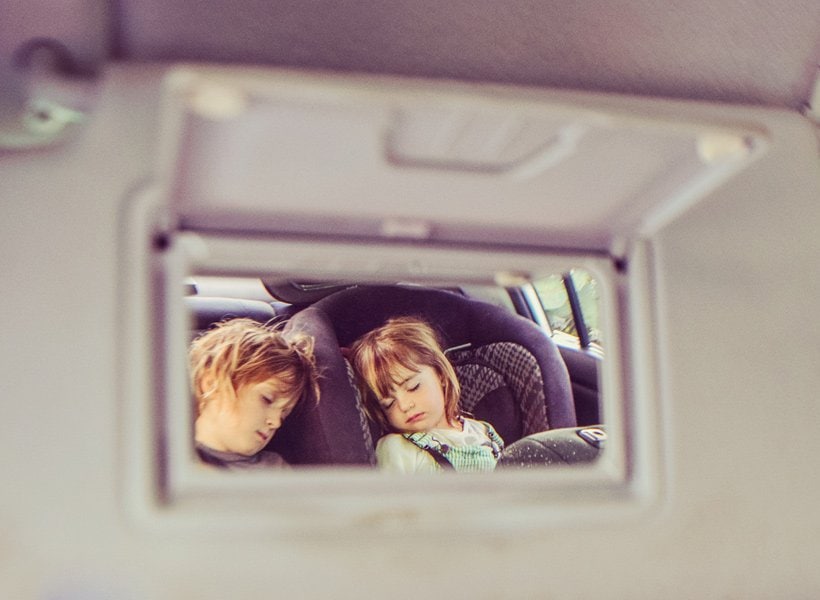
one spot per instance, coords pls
(511, 372)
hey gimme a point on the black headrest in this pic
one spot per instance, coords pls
(459, 320)
(335, 430)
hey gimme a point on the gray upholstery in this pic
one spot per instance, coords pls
(485, 371)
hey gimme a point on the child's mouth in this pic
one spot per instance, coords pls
(416, 417)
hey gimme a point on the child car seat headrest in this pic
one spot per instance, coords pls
(527, 390)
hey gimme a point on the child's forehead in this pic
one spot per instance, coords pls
(400, 373)
(272, 385)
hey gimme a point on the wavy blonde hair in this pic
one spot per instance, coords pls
(403, 342)
(241, 351)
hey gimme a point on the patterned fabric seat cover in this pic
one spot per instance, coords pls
(486, 371)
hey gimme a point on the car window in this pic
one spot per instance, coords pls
(555, 294)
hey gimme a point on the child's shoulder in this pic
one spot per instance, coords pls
(391, 440)
(393, 444)
(231, 460)
(396, 454)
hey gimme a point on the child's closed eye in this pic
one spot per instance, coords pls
(267, 400)
(414, 387)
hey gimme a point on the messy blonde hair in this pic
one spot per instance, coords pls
(406, 342)
(241, 351)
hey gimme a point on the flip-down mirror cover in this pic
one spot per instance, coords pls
(279, 151)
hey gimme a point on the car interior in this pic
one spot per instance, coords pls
(167, 164)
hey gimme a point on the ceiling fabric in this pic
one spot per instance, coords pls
(744, 51)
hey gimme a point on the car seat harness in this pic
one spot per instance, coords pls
(481, 457)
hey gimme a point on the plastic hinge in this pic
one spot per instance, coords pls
(51, 57)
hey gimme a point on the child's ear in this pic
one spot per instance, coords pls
(207, 386)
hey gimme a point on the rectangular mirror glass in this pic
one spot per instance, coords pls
(506, 321)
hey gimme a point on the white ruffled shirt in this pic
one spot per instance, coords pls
(396, 454)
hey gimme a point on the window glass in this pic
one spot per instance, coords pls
(554, 294)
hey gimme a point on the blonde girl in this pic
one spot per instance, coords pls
(411, 390)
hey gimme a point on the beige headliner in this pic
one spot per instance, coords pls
(746, 51)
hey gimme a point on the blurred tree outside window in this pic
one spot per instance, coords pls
(554, 298)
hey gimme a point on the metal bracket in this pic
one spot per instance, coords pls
(51, 56)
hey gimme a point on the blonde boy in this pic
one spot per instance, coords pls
(246, 379)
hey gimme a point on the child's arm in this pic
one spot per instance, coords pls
(395, 454)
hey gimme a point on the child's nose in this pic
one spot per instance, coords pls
(405, 403)
(274, 420)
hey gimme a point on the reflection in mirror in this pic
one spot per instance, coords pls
(472, 377)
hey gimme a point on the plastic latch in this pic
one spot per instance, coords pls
(594, 436)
